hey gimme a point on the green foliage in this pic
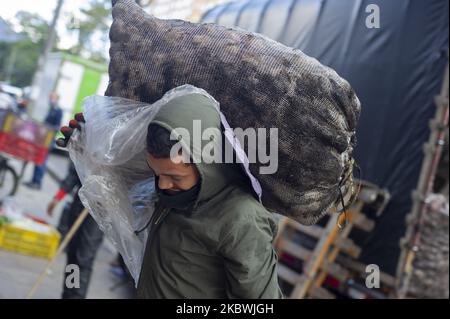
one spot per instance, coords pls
(27, 51)
(92, 31)
(27, 54)
(34, 26)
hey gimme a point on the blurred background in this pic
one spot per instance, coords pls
(53, 53)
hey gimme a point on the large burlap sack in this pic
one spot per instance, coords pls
(258, 83)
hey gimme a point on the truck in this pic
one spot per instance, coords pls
(73, 78)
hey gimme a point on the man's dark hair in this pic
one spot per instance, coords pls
(159, 143)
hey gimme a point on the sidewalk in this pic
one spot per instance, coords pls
(19, 272)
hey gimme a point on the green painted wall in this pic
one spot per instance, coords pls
(89, 85)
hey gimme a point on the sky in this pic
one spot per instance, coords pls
(45, 9)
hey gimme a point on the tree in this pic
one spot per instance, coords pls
(27, 51)
(34, 26)
(92, 28)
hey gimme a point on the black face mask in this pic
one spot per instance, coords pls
(182, 200)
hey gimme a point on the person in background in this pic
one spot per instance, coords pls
(22, 106)
(53, 120)
(83, 247)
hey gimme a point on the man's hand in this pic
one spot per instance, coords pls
(68, 130)
(51, 207)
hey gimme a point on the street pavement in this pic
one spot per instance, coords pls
(19, 272)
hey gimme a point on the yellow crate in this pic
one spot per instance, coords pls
(29, 242)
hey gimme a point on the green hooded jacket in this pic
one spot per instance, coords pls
(221, 247)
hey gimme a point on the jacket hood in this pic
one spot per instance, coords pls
(194, 120)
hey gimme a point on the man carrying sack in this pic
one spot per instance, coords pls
(209, 235)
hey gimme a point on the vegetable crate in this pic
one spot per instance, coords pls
(29, 242)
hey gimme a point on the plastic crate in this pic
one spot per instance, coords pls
(24, 139)
(29, 242)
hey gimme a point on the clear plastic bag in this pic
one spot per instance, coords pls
(110, 158)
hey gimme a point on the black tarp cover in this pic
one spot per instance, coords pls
(396, 70)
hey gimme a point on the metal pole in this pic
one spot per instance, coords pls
(35, 87)
(62, 246)
(11, 62)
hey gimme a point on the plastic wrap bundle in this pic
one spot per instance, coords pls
(258, 83)
(118, 187)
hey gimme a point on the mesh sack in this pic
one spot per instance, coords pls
(258, 83)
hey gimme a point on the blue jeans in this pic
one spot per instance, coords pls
(40, 170)
(81, 250)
